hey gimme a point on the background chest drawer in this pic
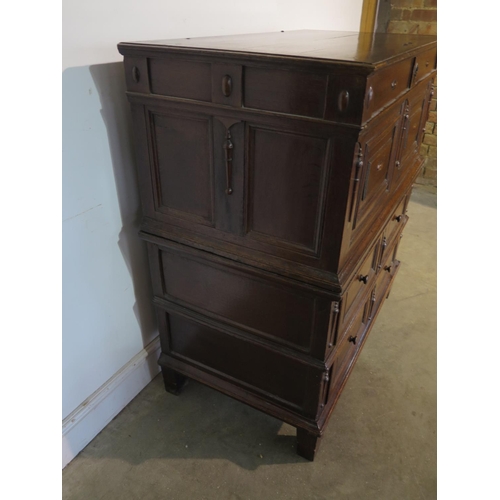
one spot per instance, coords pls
(386, 85)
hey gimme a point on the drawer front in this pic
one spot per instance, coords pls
(350, 342)
(291, 92)
(359, 286)
(386, 85)
(243, 298)
(425, 64)
(397, 220)
(196, 79)
(376, 153)
(388, 269)
(269, 374)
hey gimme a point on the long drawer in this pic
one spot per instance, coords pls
(260, 306)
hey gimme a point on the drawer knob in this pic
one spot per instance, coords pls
(136, 74)
(394, 84)
(227, 85)
(363, 279)
(388, 268)
(353, 339)
(399, 218)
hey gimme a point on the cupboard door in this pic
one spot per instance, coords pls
(374, 159)
(182, 171)
(287, 177)
(196, 171)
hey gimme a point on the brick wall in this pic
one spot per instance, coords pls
(419, 17)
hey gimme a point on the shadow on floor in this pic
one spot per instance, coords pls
(199, 423)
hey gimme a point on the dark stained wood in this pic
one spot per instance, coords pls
(307, 443)
(292, 92)
(343, 46)
(275, 172)
(174, 381)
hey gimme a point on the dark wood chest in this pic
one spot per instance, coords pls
(275, 172)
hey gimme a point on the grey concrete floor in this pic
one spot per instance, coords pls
(380, 442)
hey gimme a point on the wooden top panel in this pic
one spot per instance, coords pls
(372, 49)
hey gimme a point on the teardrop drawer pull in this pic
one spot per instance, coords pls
(136, 74)
(227, 85)
(353, 339)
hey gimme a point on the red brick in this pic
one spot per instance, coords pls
(430, 139)
(424, 15)
(430, 3)
(396, 14)
(402, 27)
(425, 28)
(406, 14)
(405, 3)
(433, 152)
(433, 116)
(429, 128)
(431, 163)
(430, 174)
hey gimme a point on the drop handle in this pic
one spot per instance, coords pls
(363, 279)
(352, 339)
(228, 150)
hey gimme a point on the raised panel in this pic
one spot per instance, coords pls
(174, 77)
(182, 163)
(249, 364)
(256, 305)
(292, 92)
(287, 183)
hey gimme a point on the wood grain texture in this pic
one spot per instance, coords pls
(275, 172)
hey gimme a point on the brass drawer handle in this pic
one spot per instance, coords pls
(394, 84)
(227, 85)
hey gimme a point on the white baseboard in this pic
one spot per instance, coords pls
(86, 421)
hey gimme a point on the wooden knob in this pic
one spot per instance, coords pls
(363, 279)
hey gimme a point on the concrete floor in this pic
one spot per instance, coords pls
(380, 442)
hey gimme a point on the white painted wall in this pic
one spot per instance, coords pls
(107, 317)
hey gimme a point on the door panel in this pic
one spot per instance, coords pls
(287, 183)
(182, 166)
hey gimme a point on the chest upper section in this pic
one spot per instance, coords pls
(342, 92)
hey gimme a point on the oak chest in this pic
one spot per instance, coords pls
(275, 171)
